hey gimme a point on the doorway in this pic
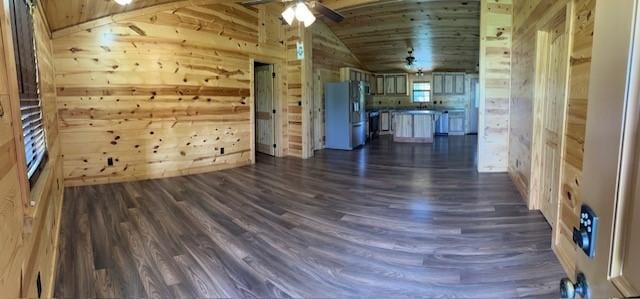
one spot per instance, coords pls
(265, 112)
(552, 64)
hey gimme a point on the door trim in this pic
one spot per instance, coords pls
(627, 171)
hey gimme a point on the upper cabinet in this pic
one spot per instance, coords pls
(379, 84)
(448, 83)
(395, 84)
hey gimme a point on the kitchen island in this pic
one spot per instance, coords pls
(415, 125)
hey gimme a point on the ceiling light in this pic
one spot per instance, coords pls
(303, 14)
(123, 2)
(288, 15)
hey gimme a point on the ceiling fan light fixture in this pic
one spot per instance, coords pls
(123, 2)
(304, 14)
(289, 15)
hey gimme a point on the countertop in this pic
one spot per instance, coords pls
(417, 112)
(433, 110)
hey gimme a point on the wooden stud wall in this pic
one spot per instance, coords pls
(29, 233)
(495, 72)
(161, 94)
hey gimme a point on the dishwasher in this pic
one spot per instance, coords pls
(442, 125)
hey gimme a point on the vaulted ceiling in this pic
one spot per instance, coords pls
(444, 34)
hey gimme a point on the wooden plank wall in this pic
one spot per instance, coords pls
(495, 72)
(329, 55)
(571, 177)
(161, 94)
(527, 17)
(299, 93)
(29, 233)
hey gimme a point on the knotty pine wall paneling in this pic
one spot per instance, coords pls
(495, 71)
(161, 93)
(29, 228)
(576, 118)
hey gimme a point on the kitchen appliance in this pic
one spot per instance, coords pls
(373, 125)
(442, 125)
(345, 115)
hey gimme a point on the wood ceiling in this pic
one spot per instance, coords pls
(445, 34)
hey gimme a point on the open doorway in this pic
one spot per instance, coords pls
(265, 111)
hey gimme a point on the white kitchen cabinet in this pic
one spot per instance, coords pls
(448, 83)
(456, 122)
(385, 121)
(404, 125)
(459, 84)
(389, 85)
(401, 84)
(379, 84)
(438, 81)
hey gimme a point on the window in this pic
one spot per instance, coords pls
(421, 92)
(30, 104)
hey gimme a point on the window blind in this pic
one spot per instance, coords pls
(27, 72)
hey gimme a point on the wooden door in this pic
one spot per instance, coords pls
(611, 184)
(265, 120)
(551, 78)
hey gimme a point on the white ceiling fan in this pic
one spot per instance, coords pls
(302, 10)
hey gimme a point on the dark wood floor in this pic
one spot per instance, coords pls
(387, 221)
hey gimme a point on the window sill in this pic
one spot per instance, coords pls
(41, 188)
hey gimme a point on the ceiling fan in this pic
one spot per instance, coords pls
(302, 10)
(410, 59)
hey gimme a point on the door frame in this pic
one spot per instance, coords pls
(279, 104)
(537, 152)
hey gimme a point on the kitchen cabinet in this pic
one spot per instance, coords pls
(379, 84)
(385, 122)
(395, 84)
(389, 85)
(401, 84)
(414, 126)
(456, 122)
(449, 83)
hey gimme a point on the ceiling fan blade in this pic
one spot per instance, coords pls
(327, 12)
(257, 2)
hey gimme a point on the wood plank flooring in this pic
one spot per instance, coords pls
(387, 221)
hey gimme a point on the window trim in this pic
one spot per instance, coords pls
(413, 91)
(28, 90)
